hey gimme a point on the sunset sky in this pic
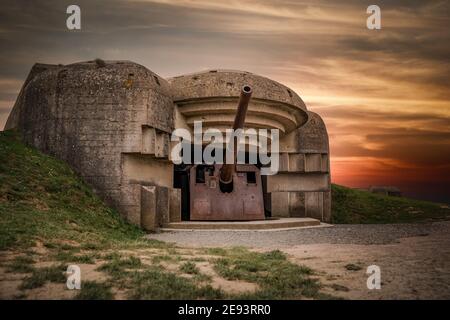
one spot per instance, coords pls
(384, 94)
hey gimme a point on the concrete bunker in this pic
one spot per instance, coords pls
(112, 123)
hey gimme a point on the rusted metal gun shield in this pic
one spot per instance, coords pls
(207, 202)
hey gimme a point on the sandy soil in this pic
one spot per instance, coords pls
(414, 268)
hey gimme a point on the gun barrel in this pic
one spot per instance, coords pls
(228, 169)
(244, 99)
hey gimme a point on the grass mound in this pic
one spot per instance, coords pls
(356, 206)
(42, 198)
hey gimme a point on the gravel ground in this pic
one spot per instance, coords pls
(337, 234)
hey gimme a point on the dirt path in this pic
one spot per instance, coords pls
(414, 259)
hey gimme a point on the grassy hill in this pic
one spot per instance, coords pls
(356, 206)
(42, 198)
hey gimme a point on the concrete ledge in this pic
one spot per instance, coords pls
(243, 225)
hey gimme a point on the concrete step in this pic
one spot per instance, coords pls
(245, 225)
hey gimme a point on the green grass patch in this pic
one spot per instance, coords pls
(165, 257)
(201, 277)
(154, 282)
(111, 256)
(276, 277)
(92, 290)
(215, 251)
(189, 268)
(70, 257)
(118, 266)
(195, 259)
(21, 264)
(157, 284)
(356, 206)
(41, 276)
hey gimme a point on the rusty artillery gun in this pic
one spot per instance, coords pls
(229, 191)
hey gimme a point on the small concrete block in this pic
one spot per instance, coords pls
(313, 162)
(280, 204)
(149, 219)
(162, 205)
(130, 194)
(283, 162)
(148, 140)
(175, 205)
(132, 214)
(324, 162)
(296, 162)
(297, 204)
(314, 205)
(161, 145)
